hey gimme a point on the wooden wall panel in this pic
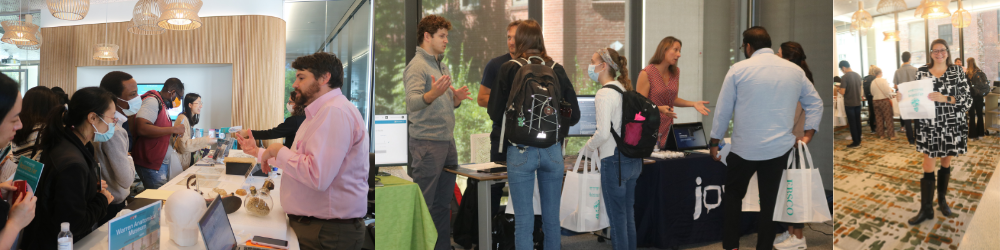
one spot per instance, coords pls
(254, 45)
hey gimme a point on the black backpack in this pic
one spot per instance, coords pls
(638, 136)
(503, 233)
(532, 114)
(979, 85)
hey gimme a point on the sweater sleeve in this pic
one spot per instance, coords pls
(414, 83)
(569, 93)
(118, 169)
(501, 91)
(184, 144)
(69, 202)
(963, 100)
(604, 103)
(285, 129)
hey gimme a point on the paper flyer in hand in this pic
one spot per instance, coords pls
(139, 229)
(29, 170)
(915, 103)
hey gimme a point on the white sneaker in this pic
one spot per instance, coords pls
(792, 243)
(781, 238)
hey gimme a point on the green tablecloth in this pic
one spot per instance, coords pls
(403, 219)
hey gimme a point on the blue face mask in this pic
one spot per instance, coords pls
(103, 137)
(591, 72)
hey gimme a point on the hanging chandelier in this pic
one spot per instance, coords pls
(919, 11)
(861, 20)
(71, 10)
(38, 35)
(961, 18)
(106, 51)
(891, 36)
(179, 14)
(889, 6)
(935, 10)
(19, 32)
(144, 16)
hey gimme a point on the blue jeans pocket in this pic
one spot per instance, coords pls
(515, 158)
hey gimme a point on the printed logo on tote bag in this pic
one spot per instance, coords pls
(789, 203)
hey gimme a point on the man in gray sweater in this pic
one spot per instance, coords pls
(117, 168)
(430, 105)
(906, 73)
(852, 90)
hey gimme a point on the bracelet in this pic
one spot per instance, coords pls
(713, 145)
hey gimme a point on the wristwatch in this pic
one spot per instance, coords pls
(950, 99)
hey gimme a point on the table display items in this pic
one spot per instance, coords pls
(259, 203)
(183, 209)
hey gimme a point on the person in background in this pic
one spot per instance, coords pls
(22, 211)
(127, 100)
(324, 185)
(545, 164)
(659, 82)
(759, 96)
(839, 115)
(490, 74)
(117, 167)
(867, 84)
(287, 129)
(906, 73)
(851, 89)
(430, 105)
(793, 52)
(881, 92)
(977, 126)
(38, 102)
(70, 188)
(185, 143)
(619, 190)
(944, 136)
(152, 153)
(958, 62)
(63, 97)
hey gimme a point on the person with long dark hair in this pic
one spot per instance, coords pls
(63, 97)
(611, 69)
(977, 126)
(22, 211)
(944, 136)
(286, 129)
(70, 189)
(525, 163)
(38, 101)
(184, 143)
(793, 52)
(659, 82)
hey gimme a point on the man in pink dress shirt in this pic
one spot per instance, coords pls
(324, 186)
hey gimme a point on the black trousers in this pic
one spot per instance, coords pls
(854, 122)
(910, 135)
(738, 175)
(871, 112)
(977, 126)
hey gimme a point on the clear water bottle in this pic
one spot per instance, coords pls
(65, 237)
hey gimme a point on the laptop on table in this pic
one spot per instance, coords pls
(216, 230)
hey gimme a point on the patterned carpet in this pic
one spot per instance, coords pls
(877, 189)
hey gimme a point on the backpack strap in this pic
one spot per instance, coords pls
(554, 65)
(609, 86)
(518, 62)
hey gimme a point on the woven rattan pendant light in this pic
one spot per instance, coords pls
(935, 10)
(106, 51)
(961, 18)
(144, 17)
(38, 35)
(861, 20)
(891, 36)
(179, 14)
(889, 6)
(71, 10)
(19, 32)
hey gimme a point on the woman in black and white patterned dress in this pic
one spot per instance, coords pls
(944, 136)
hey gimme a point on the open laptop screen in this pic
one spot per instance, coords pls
(215, 228)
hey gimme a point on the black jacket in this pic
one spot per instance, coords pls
(501, 93)
(68, 191)
(286, 129)
(867, 82)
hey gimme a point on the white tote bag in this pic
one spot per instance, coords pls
(895, 107)
(751, 201)
(800, 197)
(839, 114)
(536, 204)
(582, 206)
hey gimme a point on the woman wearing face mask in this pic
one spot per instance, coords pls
(184, 143)
(70, 188)
(619, 194)
(39, 101)
(945, 136)
(23, 210)
(659, 82)
(524, 163)
(286, 129)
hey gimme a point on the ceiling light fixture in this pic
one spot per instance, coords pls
(71, 10)
(144, 17)
(179, 14)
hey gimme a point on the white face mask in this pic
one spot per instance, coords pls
(290, 107)
(133, 105)
(591, 72)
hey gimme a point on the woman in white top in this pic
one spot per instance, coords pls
(881, 92)
(184, 144)
(618, 172)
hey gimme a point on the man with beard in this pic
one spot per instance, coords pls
(326, 192)
(152, 153)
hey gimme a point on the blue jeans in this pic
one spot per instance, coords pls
(522, 166)
(152, 179)
(619, 197)
(854, 122)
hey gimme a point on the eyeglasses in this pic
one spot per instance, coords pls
(938, 51)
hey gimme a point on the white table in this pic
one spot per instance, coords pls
(275, 225)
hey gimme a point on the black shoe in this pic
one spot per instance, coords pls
(926, 201)
(944, 175)
(854, 145)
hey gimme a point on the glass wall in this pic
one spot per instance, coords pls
(352, 47)
(20, 64)
(979, 39)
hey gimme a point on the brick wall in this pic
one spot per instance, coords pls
(575, 29)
